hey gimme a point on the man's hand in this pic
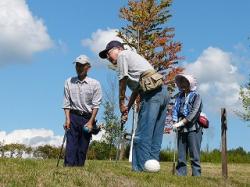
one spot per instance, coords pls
(123, 108)
(124, 111)
(177, 125)
(67, 119)
(89, 124)
(66, 125)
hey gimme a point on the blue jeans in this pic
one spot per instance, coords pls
(149, 131)
(77, 142)
(189, 141)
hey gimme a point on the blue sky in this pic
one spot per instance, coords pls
(40, 39)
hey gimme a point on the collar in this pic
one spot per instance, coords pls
(86, 80)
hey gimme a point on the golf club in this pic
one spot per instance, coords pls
(120, 139)
(64, 139)
(175, 149)
(134, 125)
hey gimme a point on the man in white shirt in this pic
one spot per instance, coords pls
(82, 99)
(148, 136)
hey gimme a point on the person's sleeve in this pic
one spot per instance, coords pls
(195, 109)
(122, 67)
(176, 108)
(97, 98)
(66, 98)
(175, 112)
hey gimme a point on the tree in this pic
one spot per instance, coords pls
(148, 33)
(245, 99)
(28, 150)
(100, 151)
(112, 127)
(20, 149)
(112, 123)
(47, 152)
(16, 150)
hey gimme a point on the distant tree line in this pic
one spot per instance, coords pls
(238, 155)
(102, 151)
(18, 151)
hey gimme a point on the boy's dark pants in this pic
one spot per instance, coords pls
(77, 142)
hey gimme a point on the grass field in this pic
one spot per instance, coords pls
(18, 172)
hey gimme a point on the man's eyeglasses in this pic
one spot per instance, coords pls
(109, 52)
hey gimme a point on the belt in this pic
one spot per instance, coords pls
(81, 113)
(147, 73)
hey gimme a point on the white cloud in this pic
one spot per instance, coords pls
(21, 34)
(37, 137)
(98, 42)
(218, 77)
(100, 38)
(31, 137)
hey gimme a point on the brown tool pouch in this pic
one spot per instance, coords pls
(150, 80)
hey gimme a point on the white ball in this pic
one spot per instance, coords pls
(152, 166)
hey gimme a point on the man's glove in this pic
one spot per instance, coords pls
(177, 125)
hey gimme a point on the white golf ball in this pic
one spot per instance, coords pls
(152, 166)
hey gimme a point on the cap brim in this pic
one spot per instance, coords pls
(82, 63)
(103, 54)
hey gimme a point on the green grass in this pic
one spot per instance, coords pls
(18, 172)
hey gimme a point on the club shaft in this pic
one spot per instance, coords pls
(60, 154)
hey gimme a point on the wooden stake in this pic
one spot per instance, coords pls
(224, 143)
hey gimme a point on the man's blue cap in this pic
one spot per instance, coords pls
(110, 45)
